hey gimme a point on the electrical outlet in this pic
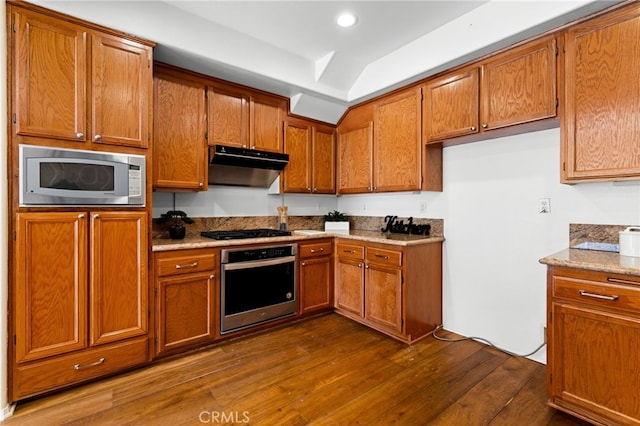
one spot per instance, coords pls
(423, 207)
(544, 205)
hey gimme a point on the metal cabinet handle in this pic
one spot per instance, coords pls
(80, 135)
(212, 276)
(485, 125)
(473, 128)
(188, 265)
(316, 251)
(93, 364)
(619, 281)
(382, 256)
(597, 296)
(366, 266)
(349, 251)
(303, 264)
(96, 216)
(359, 265)
(201, 184)
(81, 216)
(97, 137)
(309, 189)
(315, 189)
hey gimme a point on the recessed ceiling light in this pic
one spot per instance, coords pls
(346, 19)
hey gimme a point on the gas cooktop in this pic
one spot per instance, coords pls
(244, 233)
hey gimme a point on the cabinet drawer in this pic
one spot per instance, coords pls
(38, 377)
(185, 263)
(316, 249)
(607, 294)
(382, 256)
(351, 251)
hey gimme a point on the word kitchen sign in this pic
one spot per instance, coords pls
(396, 226)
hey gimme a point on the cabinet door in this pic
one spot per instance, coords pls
(51, 284)
(519, 86)
(186, 310)
(228, 117)
(118, 276)
(121, 97)
(451, 106)
(355, 160)
(266, 123)
(600, 134)
(350, 285)
(383, 296)
(397, 154)
(179, 155)
(315, 284)
(297, 175)
(50, 77)
(593, 362)
(323, 180)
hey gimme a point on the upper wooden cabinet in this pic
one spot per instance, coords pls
(600, 131)
(311, 149)
(238, 117)
(180, 127)
(73, 83)
(513, 87)
(380, 149)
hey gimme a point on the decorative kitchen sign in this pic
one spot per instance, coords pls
(396, 226)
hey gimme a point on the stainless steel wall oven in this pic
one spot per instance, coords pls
(258, 284)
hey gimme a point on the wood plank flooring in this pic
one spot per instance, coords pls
(327, 370)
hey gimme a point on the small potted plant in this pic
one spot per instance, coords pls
(177, 219)
(336, 222)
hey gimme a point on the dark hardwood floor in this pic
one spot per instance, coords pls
(326, 370)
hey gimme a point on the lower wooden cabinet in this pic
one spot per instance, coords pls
(593, 344)
(394, 289)
(185, 293)
(316, 276)
(79, 300)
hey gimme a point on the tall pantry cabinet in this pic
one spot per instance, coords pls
(78, 293)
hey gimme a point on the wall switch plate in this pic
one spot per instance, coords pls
(544, 205)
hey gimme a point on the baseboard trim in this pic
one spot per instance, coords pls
(7, 411)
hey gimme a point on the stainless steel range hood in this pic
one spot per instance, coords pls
(244, 167)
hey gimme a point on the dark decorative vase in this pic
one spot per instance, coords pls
(177, 232)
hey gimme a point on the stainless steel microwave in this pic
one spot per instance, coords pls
(63, 177)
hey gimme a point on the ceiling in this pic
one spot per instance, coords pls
(295, 48)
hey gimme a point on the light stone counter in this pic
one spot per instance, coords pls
(594, 260)
(193, 242)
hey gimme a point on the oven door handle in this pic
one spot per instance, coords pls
(258, 263)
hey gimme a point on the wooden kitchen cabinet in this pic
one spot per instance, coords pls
(180, 146)
(80, 299)
(600, 137)
(514, 87)
(316, 276)
(380, 147)
(593, 340)
(311, 150)
(246, 119)
(185, 292)
(77, 83)
(394, 289)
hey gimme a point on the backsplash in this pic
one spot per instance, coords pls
(580, 233)
(363, 223)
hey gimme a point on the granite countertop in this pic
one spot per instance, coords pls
(165, 244)
(595, 260)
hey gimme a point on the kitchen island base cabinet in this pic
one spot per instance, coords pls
(594, 340)
(396, 290)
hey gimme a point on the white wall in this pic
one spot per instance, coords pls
(494, 286)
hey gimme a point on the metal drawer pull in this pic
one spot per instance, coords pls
(619, 281)
(189, 265)
(597, 296)
(349, 251)
(93, 364)
(315, 251)
(382, 256)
